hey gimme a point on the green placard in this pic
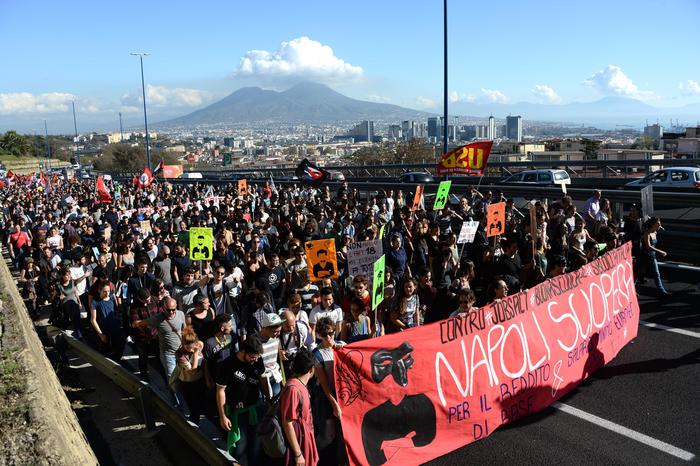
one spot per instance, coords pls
(227, 158)
(201, 243)
(442, 195)
(378, 282)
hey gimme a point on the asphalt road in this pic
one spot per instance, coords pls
(649, 391)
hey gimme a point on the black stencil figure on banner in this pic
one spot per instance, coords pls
(389, 428)
(324, 268)
(396, 362)
(495, 227)
(201, 250)
(441, 199)
(349, 378)
(379, 284)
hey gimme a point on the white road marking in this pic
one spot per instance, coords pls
(680, 331)
(622, 430)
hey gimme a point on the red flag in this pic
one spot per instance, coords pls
(145, 179)
(102, 190)
(469, 159)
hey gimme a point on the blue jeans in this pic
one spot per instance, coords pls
(249, 443)
(656, 275)
(169, 362)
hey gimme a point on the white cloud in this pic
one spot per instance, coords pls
(613, 81)
(546, 92)
(378, 98)
(425, 102)
(161, 96)
(457, 97)
(690, 87)
(26, 102)
(493, 95)
(299, 59)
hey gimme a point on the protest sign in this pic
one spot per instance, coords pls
(534, 231)
(145, 227)
(201, 243)
(442, 195)
(361, 258)
(467, 232)
(496, 219)
(413, 396)
(321, 259)
(378, 282)
(417, 198)
(242, 187)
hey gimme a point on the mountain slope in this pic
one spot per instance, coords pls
(305, 102)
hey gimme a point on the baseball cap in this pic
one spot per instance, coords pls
(271, 320)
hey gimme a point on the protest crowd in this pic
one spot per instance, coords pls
(256, 325)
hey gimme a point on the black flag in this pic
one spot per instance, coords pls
(310, 174)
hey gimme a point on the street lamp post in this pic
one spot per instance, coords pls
(145, 117)
(48, 147)
(77, 150)
(446, 125)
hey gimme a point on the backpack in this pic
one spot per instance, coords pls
(270, 431)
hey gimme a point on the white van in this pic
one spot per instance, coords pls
(192, 176)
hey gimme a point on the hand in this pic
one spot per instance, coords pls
(663, 253)
(103, 338)
(225, 423)
(299, 460)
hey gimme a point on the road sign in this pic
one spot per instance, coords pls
(201, 243)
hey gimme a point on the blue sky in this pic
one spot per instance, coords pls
(390, 51)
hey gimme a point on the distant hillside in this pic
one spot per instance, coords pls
(305, 102)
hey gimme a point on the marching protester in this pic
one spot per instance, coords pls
(254, 322)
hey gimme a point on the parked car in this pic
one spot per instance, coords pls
(546, 177)
(335, 175)
(416, 177)
(672, 177)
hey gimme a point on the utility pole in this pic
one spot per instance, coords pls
(121, 129)
(446, 124)
(48, 147)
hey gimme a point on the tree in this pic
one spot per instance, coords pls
(15, 144)
(590, 149)
(122, 157)
(413, 151)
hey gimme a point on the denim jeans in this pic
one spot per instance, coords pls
(653, 267)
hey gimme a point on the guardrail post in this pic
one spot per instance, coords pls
(145, 400)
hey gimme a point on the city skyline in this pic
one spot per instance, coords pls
(81, 51)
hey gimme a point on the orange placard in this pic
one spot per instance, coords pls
(469, 159)
(242, 187)
(321, 259)
(496, 219)
(417, 197)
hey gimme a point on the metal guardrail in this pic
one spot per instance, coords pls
(150, 400)
(406, 167)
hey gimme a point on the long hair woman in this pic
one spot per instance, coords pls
(649, 241)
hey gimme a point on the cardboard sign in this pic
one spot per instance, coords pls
(145, 228)
(417, 198)
(442, 195)
(467, 232)
(381, 232)
(242, 187)
(534, 231)
(378, 282)
(321, 259)
(412, 396)
(201, 243)
(648, 200)
(496, 219)
(361, 258)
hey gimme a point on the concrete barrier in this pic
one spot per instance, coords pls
(59, 437)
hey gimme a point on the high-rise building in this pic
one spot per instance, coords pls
(492, 128)
(481, 131)
(363, 132)
(654, 131)
(394, 132)
(514, 128)
(433, 128)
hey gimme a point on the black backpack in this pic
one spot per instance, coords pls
(270, 429)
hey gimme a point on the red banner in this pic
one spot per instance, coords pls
(410, 397)
(469, 159)
(172, 171)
